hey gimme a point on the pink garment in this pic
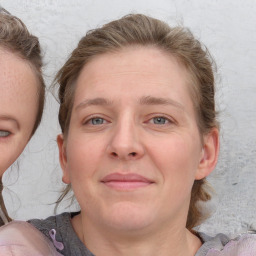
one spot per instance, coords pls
(244, 245)
(19, 238)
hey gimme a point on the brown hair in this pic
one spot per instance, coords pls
(15, 37)
(137, 29)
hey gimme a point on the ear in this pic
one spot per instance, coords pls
(210, 152)
(63, 158)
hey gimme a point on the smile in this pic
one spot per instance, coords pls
(126, 181)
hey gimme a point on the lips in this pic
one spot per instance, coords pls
(126, 181)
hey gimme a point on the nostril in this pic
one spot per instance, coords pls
(114, 154)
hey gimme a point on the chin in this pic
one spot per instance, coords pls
(129, 217)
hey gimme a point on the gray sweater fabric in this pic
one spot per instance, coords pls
(66, 237)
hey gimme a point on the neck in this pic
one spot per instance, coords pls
(171, 241)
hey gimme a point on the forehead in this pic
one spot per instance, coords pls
(143, 67)
(18, 85)
(16, 73)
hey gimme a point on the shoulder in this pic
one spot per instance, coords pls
(222, 245)
(55, 228)
(60, 231)
(21, 238)
(209, 242)
(244, 244)
(57, 222)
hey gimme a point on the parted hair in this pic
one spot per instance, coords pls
(15, 38)
(138, 29)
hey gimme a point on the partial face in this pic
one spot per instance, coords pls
(133, 149)
(18, 106)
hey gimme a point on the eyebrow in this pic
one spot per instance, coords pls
(9, 118)
(149, 100)
(93, 102)
(145, 100)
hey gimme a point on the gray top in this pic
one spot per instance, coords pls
(65, 235)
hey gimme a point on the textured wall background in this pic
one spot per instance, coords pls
(227, 27)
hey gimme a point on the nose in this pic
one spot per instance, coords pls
(125, 143)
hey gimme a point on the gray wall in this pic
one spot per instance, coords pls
(227, 27)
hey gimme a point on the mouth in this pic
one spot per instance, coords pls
(129, 181)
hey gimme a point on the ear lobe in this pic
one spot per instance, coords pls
(63, 158)
(210, 152)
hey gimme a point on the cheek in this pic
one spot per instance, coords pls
(83, 157)
(84, 160)
(177, 160)
(9, 152)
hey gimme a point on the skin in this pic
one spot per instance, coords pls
(18, 106)
(133, 114)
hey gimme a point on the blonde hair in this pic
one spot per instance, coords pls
(15, 37)
(138, 29)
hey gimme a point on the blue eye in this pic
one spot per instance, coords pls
(97, 121)
(160, 120)
(4, 133)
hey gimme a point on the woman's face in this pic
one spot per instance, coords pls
(133, 149)
(18, 106)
